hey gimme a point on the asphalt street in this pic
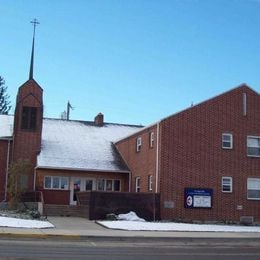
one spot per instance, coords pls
(129, 249)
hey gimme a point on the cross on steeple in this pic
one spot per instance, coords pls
(34, 22)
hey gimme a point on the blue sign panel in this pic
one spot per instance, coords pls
(198, 198)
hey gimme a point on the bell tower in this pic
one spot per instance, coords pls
(28, 120)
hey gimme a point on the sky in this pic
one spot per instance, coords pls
(135, 61)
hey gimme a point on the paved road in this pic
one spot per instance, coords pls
(128, 249)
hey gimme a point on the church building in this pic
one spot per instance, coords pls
(204, 162)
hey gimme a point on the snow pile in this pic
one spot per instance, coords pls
(24, 223)
(171, 226)
(131, 216)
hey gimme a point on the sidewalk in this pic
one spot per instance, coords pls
(81, 228)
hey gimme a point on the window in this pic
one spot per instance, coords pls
(137, 184)
(138, 144)
(253, 146)
(150, 182)
(151, 139)
(227, 141)
(227, 184)
(56, 182)
(253, 188)
(29, 116)
(108, 185)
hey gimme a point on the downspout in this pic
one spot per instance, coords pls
(34, 179)
(157, 158)
(7, 168)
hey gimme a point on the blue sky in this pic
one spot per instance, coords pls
(136, 61)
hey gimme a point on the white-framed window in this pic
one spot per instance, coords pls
(108, 185)
(150, 182)
(56, 183)
(151, 139)
(138, 144)
(227, 184)
(253, 146)
(227, 141)
(253, 188)
(137, 184)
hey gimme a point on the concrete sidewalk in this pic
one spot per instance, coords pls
(81, 228)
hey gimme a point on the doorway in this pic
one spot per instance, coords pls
(80, 184)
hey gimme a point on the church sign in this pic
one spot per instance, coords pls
(198, 198)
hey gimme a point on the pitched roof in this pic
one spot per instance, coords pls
(79, 145)
(76, 145)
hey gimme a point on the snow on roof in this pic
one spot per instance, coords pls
(6, 126)
(81, 145)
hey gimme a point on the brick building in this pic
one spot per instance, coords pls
(204, 161)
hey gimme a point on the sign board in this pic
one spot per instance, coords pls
(198, 198)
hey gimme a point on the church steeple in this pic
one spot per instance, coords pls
(34, 22)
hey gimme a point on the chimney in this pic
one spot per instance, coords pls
(99, 120)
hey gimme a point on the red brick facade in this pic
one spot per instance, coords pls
(143, 162)
(191, 156)
(27, 142)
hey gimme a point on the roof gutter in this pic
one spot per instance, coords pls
(79, 169)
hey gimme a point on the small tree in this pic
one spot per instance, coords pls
(4, 102)
(18, 181)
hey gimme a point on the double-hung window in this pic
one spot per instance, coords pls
(227, 184)
(253, 188)
(138, 144)
(227, 141)
(253, 146)
(151, 139)
(137, 184)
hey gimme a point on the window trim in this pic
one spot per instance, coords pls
(137, 184)
(224, 141)
(138, 144)
(150, 182)
(230, 184)
(59, 188)
(251, 136)
(151, 139)
(105, 185)
(258, 179)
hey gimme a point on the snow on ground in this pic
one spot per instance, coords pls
(171, 226)
(24, 223)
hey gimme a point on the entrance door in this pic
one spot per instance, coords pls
(75, 186)
(80, 184)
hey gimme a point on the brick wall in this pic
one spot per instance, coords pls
(27, 143)
(142, 163)
(192, 156)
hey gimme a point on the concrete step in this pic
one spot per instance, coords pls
(66, 210)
